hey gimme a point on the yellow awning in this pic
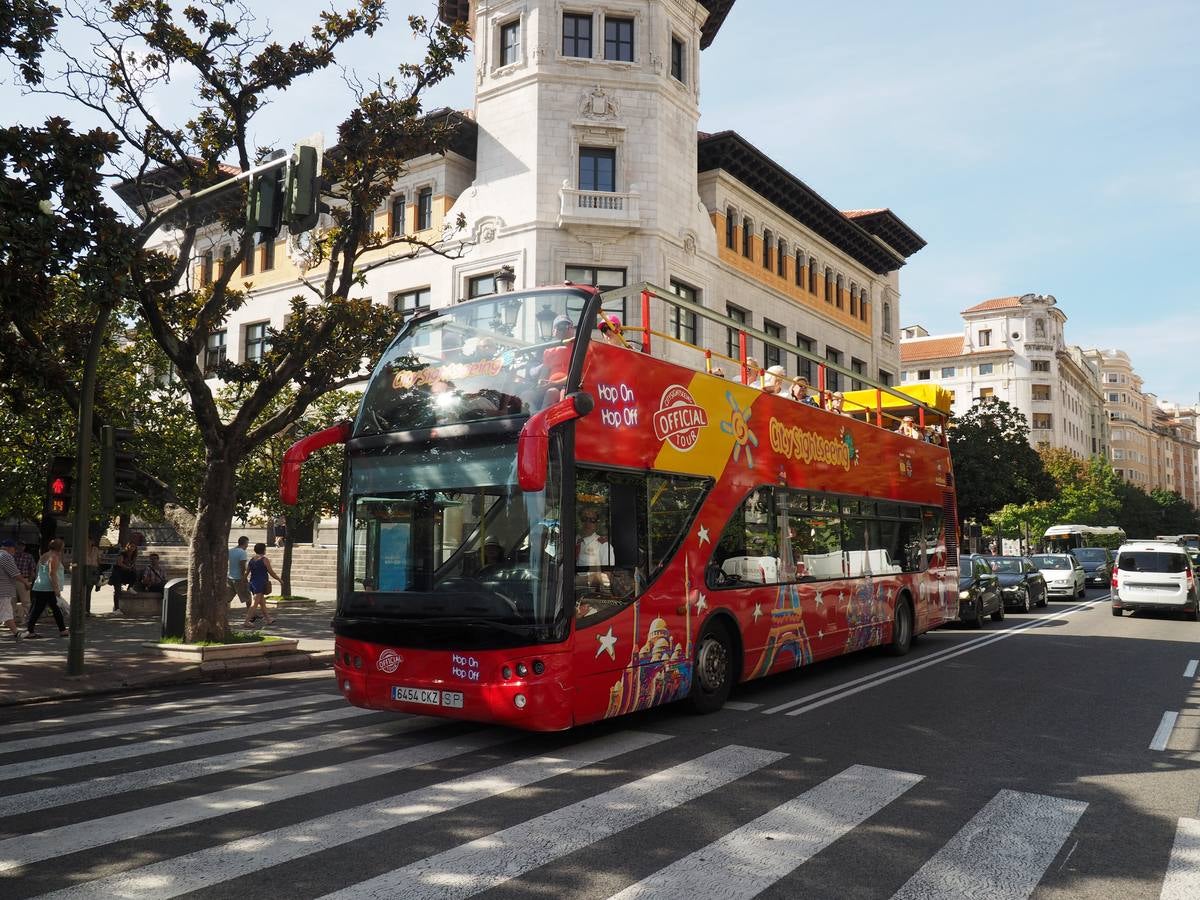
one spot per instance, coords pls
(933, 395)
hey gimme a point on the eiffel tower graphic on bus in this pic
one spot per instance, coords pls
(787, 635)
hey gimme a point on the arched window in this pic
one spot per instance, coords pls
(747, 238)
(828, 285)
(885, 325)
(768, 246)
(864, 297)
(800, 268)
(1039, 327)
(838, 295)
(731, 228)
(853, 299)
(812, 276)
(781, 258)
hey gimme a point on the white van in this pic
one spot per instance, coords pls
(1154, 575)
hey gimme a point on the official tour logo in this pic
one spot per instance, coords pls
(678, 420)
(389, 661)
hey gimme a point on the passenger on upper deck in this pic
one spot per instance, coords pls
(772, 380)
(799, 392)
(909, 429)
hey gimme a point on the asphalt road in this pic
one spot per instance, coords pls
(1033, 759)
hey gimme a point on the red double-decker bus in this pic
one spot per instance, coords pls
(547, 523)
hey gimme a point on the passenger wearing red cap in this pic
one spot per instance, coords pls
(556, 360)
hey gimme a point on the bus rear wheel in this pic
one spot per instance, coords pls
(712, 670)
(902, 629)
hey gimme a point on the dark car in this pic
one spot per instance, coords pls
(1097, 565)
(1021, 584)
(978, 591)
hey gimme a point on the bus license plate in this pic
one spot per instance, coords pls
(428, 696)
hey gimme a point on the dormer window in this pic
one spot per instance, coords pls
(510, 42)
(985, 337)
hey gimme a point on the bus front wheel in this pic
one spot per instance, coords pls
(712, 671)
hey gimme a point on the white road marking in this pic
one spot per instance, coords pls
(747, 861)
(1183, 868)
(1163, 734)
(108, 785)
(214, 865)
(24, 849)
(191, 717)
(866, 682)
(1190, 671)
(40, 765)
(1001, 854)
(741, 705)
(190, 705)
(470, 868)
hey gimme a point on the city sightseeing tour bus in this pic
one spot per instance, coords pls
(546, 522)
(1065, 538)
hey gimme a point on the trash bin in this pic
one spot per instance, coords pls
(174, 608)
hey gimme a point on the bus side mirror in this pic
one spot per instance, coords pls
(289, 473)
(533, 444)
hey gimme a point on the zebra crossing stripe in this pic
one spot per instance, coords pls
(76, 719)
(1001, 854)
(109, 785)
(22, 850)
(191, 717)
(1183, 868)
(214, 865)
(43, 765)
(750, 859)
(479, 865)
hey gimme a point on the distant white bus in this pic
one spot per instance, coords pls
(1065, 538)
(1188, 540)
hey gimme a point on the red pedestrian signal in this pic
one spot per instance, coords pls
(60, 485)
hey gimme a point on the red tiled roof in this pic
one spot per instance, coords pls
(930, 348)
(997, 303)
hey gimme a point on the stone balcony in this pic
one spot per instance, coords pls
(603, 209)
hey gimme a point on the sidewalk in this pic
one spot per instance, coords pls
(116, 658)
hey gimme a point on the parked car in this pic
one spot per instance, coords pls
(978, 591)
(1154, 575)
(1022, 586)
(1063, 573)
(1097, 565)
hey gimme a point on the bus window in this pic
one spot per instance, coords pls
(816, 546)
(673, 501)
(748, 551)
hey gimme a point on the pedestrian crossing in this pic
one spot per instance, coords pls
(245, 792)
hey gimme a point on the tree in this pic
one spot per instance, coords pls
(993, 462)
(137, 48)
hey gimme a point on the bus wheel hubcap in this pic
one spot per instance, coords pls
(712, 664)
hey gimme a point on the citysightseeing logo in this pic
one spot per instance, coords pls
(808, 446)
(389, 661)
(432, 375)
(679, 420)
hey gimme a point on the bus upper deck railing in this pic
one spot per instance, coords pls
(931, 421)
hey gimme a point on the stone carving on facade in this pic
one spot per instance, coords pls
(487, 229)
(689, 242)
(599, 104)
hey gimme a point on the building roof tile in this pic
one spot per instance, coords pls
(930, 348)
(996, 303)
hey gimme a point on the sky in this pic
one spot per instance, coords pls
(1049, 147)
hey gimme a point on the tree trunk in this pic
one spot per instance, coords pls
(285, 568)
(208, 564)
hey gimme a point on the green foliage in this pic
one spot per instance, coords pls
(993, 463)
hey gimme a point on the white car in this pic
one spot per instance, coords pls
(1154, 575)
(1063, 573)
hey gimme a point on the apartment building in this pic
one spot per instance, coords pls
(581, 161)
(1014, 349)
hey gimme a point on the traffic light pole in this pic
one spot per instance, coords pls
(83, 439)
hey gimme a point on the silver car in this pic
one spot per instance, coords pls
(1154, 575)
(1063, 573)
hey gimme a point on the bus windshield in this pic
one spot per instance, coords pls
(441, 535)
(483, 359)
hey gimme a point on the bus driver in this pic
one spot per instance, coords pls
(591, 550)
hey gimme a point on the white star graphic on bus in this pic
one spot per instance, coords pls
(820, 600)
(701, 603)
(757, 611)
(608, 643)
(702, 535)
(821, 633)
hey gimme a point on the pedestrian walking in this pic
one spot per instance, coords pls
(260, 573)
(238, 585)
(47, 588)
(10, 578)
(91, 575)
(25, 556)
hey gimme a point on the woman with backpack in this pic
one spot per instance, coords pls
(47, 588)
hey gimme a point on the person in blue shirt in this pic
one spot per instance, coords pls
(238, 557)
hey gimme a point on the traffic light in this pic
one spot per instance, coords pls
(118, 462)
(264, 207)
(60, 485)
(302, 203)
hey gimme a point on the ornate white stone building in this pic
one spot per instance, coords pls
(1014, 348)
(581, 161)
